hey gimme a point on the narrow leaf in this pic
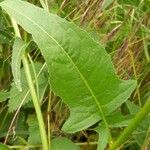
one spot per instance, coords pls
(103, 137)
(81, 71)
(18, 50)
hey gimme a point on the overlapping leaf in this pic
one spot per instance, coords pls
(33, 130)
(81, 72)
(142, 132)
(63, 144)
(18, 50)
(17, 97)
(116, 120)
(3, 96)
(4, 147)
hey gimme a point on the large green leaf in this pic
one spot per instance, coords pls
(81, 72)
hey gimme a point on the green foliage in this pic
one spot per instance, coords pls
(17, 97)
(4, 147)
(18, 50)
(34, 134)
(3, 96)
(142, 131)
(63, 144)
(80, 71)
(130, 2)
(115, 120)
(5, 31)
(103, 137)
(76, 64)
(106, 4)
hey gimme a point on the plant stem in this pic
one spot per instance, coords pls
(44, 4)
(48, 118)
(132, 125)
(33, 93)
(136, 78)
(24, 147)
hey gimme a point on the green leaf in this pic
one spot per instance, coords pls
(106, 4)
(103, 137)
(17, 97)
(117, 120)
(34, 133)
(19, 48)
(130, 2)
(21, 128)
(5, 31)
(133, 109)
(63, 144)
(4, 147)
(81, 71)
(143, 129)
(4, 96)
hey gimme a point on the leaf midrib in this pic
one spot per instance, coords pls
(80, 74)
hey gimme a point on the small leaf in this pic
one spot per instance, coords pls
(34, 134)
(103, 137)
(4, 147)
(63, 144)
(143, 129)
(21, 128)
(133, 109)
(4, 96)
(130, 2)
(16, 97)
(117, 120)
(106, 4)
(19, 48)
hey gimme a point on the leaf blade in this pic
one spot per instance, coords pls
(4, 147)
(76, 64)
(17, 97)
(63, 144)
(18, 50)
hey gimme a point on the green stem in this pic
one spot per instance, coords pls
(132, 125)
(24, 147)
(33, 93)
(44, 5)
(136, 78)
(48, 119)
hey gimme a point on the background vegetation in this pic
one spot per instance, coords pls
(121, 26)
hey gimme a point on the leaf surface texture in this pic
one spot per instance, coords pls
(81, 71)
